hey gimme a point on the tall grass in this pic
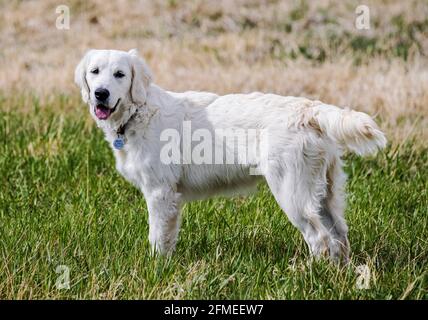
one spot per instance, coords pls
(63, 203)
(302, 48)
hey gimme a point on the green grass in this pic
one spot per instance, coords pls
(63, 203)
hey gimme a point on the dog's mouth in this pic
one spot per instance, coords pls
(103, 112)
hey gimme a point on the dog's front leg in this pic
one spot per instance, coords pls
(164, 219)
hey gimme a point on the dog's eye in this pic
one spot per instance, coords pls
(119, 74)
(95, 71)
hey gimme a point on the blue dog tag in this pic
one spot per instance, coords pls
(118, 143)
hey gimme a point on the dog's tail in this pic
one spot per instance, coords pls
(356, 131)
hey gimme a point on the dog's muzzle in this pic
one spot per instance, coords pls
(103, 112)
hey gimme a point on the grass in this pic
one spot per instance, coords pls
(295, 47)
(63, 203)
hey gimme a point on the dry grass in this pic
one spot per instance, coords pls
(307, 48)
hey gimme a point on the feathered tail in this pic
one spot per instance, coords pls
(356, 131)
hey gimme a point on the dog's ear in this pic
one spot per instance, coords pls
(141, 78)
(80, 76)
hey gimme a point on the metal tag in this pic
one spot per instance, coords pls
(119, 143)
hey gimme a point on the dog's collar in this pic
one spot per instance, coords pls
(120, 140)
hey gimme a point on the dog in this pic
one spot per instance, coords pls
(172, 147)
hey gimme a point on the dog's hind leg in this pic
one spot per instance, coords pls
(300, 190)
(333, 206)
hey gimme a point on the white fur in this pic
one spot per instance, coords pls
(305, 142)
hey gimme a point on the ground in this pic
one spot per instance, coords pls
(62, 203)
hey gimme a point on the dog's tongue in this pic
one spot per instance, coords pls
(102, 112)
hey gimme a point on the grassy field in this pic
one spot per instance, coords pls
(63, 203)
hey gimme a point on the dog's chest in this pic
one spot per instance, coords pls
(130, 166)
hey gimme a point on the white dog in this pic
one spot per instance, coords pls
(300, 143)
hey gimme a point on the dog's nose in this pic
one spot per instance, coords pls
(102, 94)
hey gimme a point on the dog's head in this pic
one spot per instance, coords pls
(111, 81)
